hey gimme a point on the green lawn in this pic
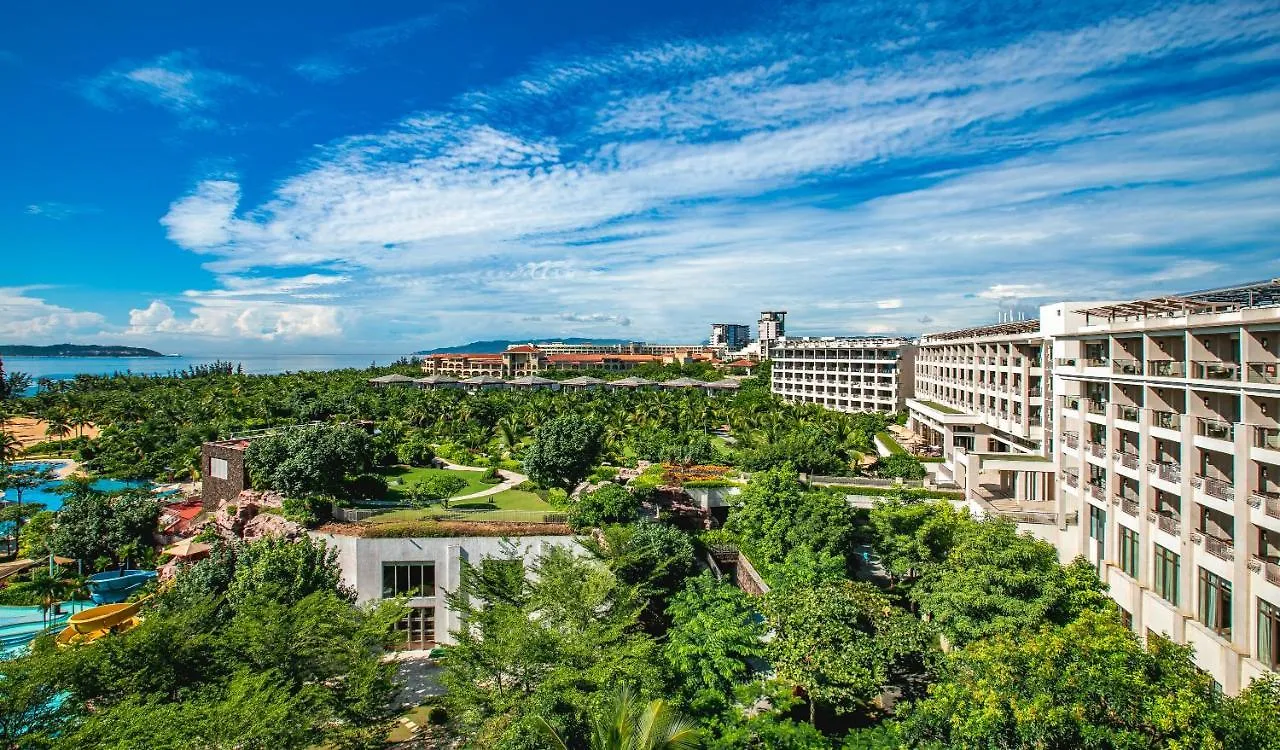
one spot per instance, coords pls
(400, 477)
(941, 407)
(508, 505)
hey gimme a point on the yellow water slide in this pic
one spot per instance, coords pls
(88, 625)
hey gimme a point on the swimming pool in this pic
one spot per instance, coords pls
(46, 494)
(19, 625)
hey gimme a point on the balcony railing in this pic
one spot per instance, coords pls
(1166, 419)
(1267, 568)
(1064, 362)
(1035, 392)
(1167, 524)
(1126, 459)
(1095, 361)
(1130, 507)
(1272, 504)
(1212, 370)
(1217, 429)
(1098, 450)
(1166, 470)
(1071, 440)
(1072, 480)
(1126, 366)
(1218, 488)
(1266, 437)
(1166, 368)
(1263, 372)
(1096, 407)
(1220, 548)
(1127, 413)
(1071, 402)
(1098, 492)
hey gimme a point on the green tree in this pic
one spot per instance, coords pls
(434, 488)
(285, 571)
(838, 642)
(768, 731)
(901, 466)
(416, 450)
(611, 503)
(564, 450)
(996, 580)
(714, 634)
(31, 711)
(627, 724)
(1252, 721)
(310, 460)
(19, 480)
(93, 525)
(1089, 683)
(34, 539)
(777, 517)
(552, 644)
(912, 535)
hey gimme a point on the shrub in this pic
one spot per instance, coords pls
(367, 486)
(307, 511)
(435, 487)
(415, 451)
(491, 476)
(609, 504)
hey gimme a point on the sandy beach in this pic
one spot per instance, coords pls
(30, 431)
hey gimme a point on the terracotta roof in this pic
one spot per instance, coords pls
(524, 349)
(741, 363)
(465, 356)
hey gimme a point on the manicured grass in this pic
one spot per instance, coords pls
(941, 407)
(406, 475)
(511, 505)
(889, 443)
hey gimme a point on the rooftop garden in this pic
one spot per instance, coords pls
(940, 407)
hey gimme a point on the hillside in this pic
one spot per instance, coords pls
(75, 350)
(498, 345)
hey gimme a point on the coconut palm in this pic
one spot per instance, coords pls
(10, 447)
(627, 724)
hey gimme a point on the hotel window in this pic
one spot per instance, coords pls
(1129, 551)
(408, 579)
(1166, 575)
(1215, 603)
(218, 468)
(417, 631)
(1269, 635)
(1126, 618)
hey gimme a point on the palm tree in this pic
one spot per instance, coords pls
(10, 447)
(51, 590)
(57, 425)
(626, 724)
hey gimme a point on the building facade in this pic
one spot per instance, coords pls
(771, 327)
(730, 337)
(844, 373)
(525, 359)
(1158, 454)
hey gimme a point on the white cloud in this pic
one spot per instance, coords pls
(221, 318)
(175, 81)
(58, 211)
(701, 178)
(25, 319)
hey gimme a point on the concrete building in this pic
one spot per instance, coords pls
(771, 327)
(1157, 455)
(730, 337)
(423, 569)
(844, 373)
(526, 359)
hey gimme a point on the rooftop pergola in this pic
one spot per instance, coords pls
(999, 329)
(1225, 299)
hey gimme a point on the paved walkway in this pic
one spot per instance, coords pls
(510, 480)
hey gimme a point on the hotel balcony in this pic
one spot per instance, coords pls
(1169, 471)
(1128, 413)
(1098, 491)
(1097, 407)
(1166, 368)
(1071, 439)
(1127, 460)
(1166, 419)
(1096, 362)
(1269, 569)
(1210, 370)
(1264, 372)
(1266, 437)
(1071, 403)
(1223, 549)
(1215, 488)
(1130, 507)
(1126, 366)
(1167, 524)
(1072, 479)
(1270, 502)
(1216, 429)
(1098, 450)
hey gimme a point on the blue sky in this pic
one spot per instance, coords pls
(231, 178)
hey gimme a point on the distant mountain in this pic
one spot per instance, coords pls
(76, 350)
(499, 345)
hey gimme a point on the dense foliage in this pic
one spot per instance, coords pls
(309, 460)
(564, 450)
(104, 529)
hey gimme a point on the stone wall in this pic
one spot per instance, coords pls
(214, 490)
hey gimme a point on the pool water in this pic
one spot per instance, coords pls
(46, 495)
(19, 625)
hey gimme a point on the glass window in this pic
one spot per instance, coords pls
(1097, 523)
(417, 631)
(408, 579)
(1269, 634)
(218, 468)
(1215, 603)
(1166, 574)
(1129, 551)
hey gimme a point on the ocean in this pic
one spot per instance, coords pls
(66, 368)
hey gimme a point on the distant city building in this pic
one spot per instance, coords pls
(850, 374)
(771, 326)
(526, 359)
(730, 337)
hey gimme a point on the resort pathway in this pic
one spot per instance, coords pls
(510, 480)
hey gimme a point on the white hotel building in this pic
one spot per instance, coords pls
(844, 373)
(1157, 456)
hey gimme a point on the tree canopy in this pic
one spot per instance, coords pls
(309, 460)
(564, 450)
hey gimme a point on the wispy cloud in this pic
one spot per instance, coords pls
(58, 211)
(349, 53)
(175, 81)
(25, 318)
(938, 169)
